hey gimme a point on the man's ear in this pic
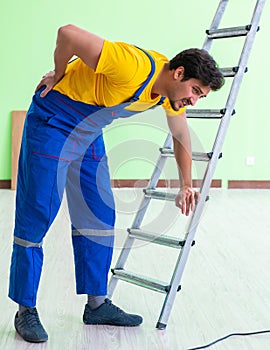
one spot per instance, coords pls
(179, 73)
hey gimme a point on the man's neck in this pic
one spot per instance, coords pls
(159, 86)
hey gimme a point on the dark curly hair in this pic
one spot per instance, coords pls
(200, 65)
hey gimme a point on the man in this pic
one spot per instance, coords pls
(62, 148)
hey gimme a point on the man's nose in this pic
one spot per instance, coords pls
(193, 100)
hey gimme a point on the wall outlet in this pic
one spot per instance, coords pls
(250, 160)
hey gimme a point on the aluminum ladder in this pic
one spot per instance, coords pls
(135, 233)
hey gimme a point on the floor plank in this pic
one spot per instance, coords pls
(225, 287)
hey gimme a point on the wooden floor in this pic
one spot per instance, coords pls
(225, 287)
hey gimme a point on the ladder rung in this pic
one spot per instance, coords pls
(228, 32)
(166, 196)
(206, 113)
(154, 238)
(230, 71)
(141, 281)
(199, 156)
(167, 152)
(159, 195)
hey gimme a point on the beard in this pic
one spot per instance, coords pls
(174, 106)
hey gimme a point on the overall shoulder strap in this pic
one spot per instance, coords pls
(153, 68)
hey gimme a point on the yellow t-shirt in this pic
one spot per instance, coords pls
(121, 70)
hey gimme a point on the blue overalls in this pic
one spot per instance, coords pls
(63, 148)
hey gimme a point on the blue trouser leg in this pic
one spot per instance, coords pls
(92, 213)
(40, 185)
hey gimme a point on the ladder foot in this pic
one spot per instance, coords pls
(161, 326)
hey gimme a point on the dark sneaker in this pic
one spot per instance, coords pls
(29, 327)
(107, 313)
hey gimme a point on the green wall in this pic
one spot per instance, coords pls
(28, 37)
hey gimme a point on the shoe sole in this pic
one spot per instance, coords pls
(31, 340)
(111, 324)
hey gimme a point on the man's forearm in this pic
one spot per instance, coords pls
(186, 197)
(183, 158)
(182, 148)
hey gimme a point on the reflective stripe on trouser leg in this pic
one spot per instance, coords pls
(92, 212)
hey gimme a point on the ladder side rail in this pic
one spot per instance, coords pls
(140, 215)
(123, 256)
(215, 23)
(120, 264)
(184, 253)
(237, 80)
(192, 228)
(160, 164)
(152, 183)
